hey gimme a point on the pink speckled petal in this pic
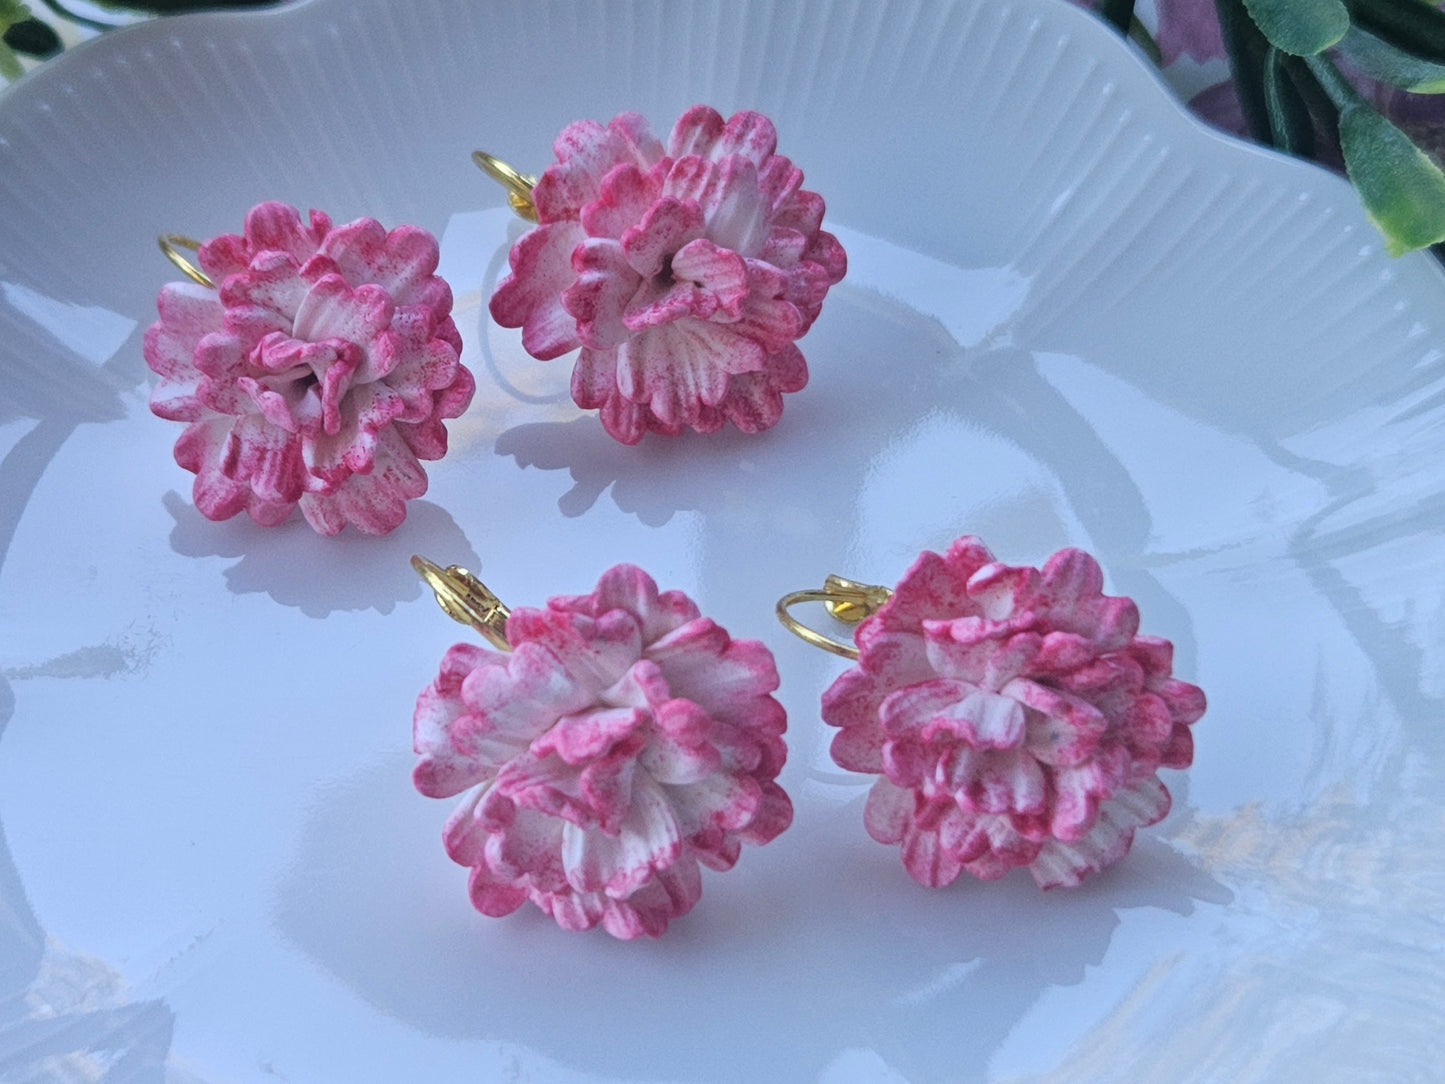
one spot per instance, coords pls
(734, 208)
(634, 133)
(927, 859)
(586, 152)
(701, 663)
(753, 403)
(696, 132)
(374, 503)
(272, 286)
(1063, 729)
(722, 802)
(625, 420)
(621, 864)
(1078, 790)
(623, 198)
(596, 653)
(678, 368)
(1073, 584)
(888, 812)
(217, 495)
(983, 720)
(1000, 589)
(630, 589)
(402, 262)
(989, 845)
(773, 322)
(531, 296)
(1066, 863)
(999, 781)
(266, 457)
(333, 309)
(772, 817)
(750, 135)
(716, 272)
(670, 760)
(604, 286)
(976, 649)
(270, 226)
(529, 694)
(188, 313)
(584, 736)
(492, 895)
(936, 587)
(663, 229)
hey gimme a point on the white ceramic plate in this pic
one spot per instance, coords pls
(1073, 316)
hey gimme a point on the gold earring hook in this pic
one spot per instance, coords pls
(518, 185)
(170, 243)
(846, 600)
(466, 600)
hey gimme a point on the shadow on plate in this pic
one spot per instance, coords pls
(297, 567)
(881, 371)
(65, 1016)
(816, 943)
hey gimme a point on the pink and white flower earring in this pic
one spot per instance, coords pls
(313, 366)
(1014, 716)
(684, 271)
(606, 746)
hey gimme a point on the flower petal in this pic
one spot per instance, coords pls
(696, 132)
(531, 296)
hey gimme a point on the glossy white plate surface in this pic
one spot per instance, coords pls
(1073, 316)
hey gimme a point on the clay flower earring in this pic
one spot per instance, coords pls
(683, 271)
(313, 366)
(609, 745)
(1014, 716)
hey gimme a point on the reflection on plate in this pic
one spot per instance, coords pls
(1072, 317)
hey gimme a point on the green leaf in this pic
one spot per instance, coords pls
(10, 68)
(1300, 27)
(1416, 27)
(1247, 48)
(1118, 12)
(1384, 62)
(1140, 36)
(1403, 190)
(1291, 127)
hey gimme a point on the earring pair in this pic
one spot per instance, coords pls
(613, 742)
(314, 365)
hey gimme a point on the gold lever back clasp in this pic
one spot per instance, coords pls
(171, 244)
(518, 185)
(466, 600)
(846, 600)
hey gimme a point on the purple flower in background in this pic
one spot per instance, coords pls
(1189, 28)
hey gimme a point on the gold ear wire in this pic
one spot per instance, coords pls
(846, 600)
(518, 185)
(170, 243)
(466, 600)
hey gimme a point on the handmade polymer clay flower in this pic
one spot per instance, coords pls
(624, 741)
(683, 271)
(313, 365)
(1014, 717)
